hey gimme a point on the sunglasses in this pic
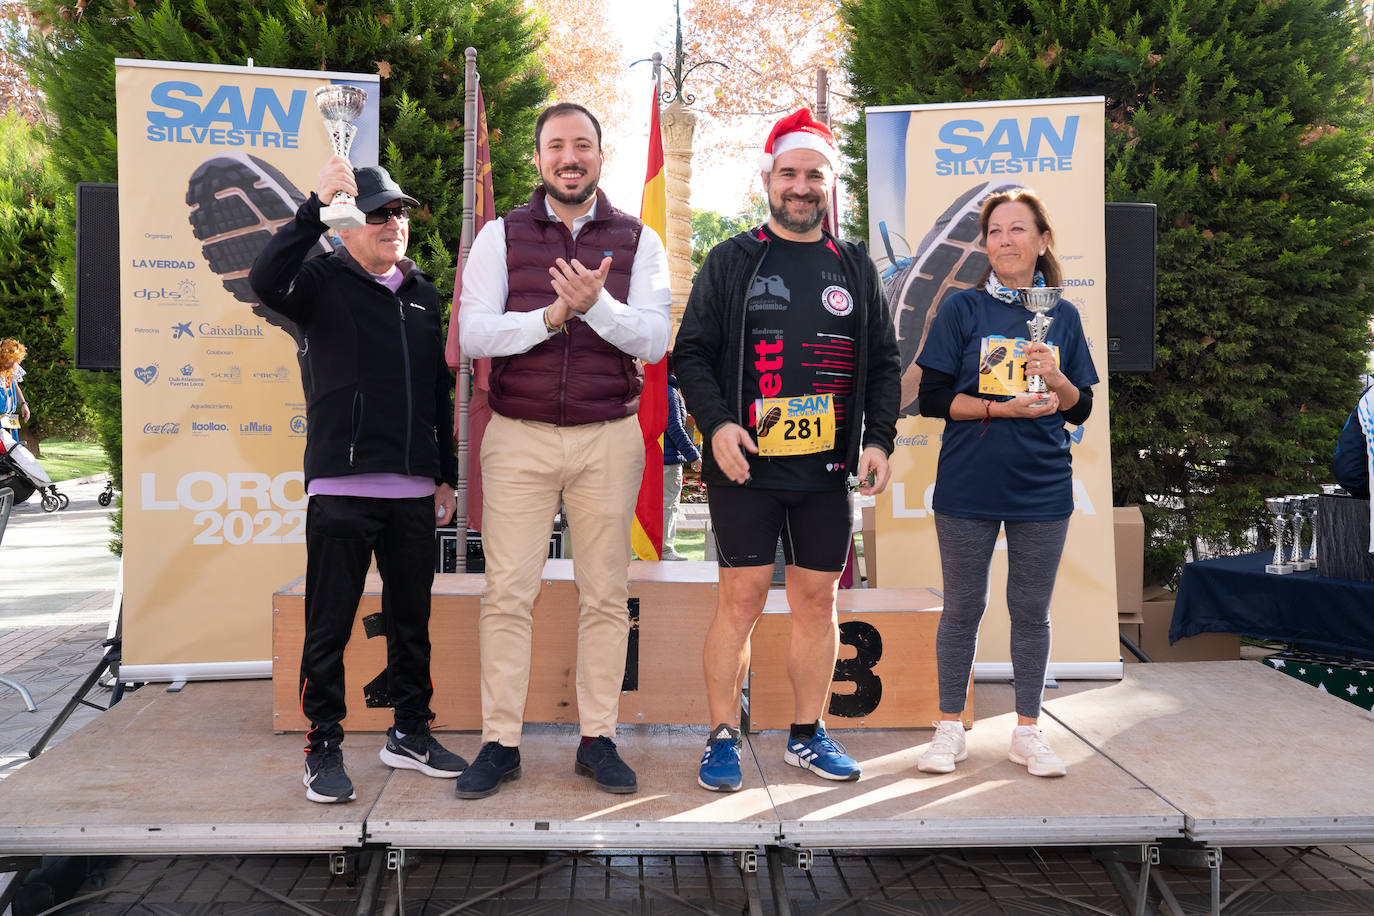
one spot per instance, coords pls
(381, 215)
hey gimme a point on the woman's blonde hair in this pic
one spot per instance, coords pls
(11, 352)
(1047, 263)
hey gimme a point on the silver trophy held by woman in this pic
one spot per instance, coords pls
(1039, 299)
(341, 106)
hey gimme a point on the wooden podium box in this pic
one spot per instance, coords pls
(674, 603)
(671, 605)
(885, 675)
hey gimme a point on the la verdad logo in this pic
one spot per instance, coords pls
(1009, 147)
(181, 113)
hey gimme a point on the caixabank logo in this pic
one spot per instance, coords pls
(236, 331)
(1009, 146)
(261, 118)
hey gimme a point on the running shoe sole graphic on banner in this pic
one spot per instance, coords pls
(950, 258)
(237, 203)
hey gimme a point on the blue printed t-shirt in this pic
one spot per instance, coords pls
(1014, 469)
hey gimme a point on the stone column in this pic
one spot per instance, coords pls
(679, 124)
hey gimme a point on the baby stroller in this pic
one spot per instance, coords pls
(21, 472)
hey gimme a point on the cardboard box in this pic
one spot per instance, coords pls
(1152, 634)
(1128, 528)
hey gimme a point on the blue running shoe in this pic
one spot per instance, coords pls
(823, 756)
(720, 764)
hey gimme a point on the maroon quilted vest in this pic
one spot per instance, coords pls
(577, 377)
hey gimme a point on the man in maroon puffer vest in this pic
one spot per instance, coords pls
(568, 295)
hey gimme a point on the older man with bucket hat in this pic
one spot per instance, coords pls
(379, 463)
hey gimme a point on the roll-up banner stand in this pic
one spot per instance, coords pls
(212, 160)
(929, 169)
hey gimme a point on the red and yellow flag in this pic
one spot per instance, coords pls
(653, 403)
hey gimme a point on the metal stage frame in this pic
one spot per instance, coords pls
(1169, 766)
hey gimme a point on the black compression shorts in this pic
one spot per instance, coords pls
(815, 527)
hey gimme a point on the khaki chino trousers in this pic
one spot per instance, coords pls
(526, 466)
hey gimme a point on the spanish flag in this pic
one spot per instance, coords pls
(653, 403)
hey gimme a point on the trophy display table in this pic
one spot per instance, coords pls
(885, 676)
(1236, 595)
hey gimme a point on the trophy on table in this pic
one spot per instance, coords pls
(341, 106)
(1313, 504)
(1298, 506)
(1039, 299)
(1278, 507)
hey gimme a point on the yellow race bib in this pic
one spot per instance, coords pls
(1002, 365)
(795, 426)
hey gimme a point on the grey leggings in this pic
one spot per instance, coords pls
(1033, 551)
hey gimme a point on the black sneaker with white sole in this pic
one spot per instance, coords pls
(237, 203)
(325, 779)
(421, 752)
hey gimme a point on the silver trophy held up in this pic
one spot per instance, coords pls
(340, 106)
(1278, 507)
(1297, 505)
(1039, 299)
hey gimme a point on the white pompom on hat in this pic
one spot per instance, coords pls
(799, 130)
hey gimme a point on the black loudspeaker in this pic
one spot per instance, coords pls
(97, 276)
(1130, 237)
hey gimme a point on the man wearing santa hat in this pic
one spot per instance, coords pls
(787, 360)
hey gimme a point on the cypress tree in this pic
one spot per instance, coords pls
(416, 45)
(31, 306)
(1245, 122)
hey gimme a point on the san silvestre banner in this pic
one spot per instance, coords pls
(930, 167)
(212, 160)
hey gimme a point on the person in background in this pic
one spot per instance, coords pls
(14, 408)
(678, 450)
(1355, 448)
(1004, 462)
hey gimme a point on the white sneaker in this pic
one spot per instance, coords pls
(946, 749)
(1029, 749)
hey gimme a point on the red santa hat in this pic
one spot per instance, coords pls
(799, 131)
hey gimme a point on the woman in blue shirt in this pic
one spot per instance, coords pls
(1004, 461)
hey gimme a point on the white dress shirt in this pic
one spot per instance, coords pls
(638, 327)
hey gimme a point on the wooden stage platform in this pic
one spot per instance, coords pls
(1221, 753)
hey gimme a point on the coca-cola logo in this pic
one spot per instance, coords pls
(161, 429)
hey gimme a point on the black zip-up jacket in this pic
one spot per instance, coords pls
(377, 387)
(709, 357)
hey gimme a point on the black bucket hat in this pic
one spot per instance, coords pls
(376, 189)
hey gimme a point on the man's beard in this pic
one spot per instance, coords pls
(571, 199)
(791, 224)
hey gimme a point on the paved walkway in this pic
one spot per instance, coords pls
(57, 586)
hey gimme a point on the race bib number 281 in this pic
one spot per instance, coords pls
(795, 426)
